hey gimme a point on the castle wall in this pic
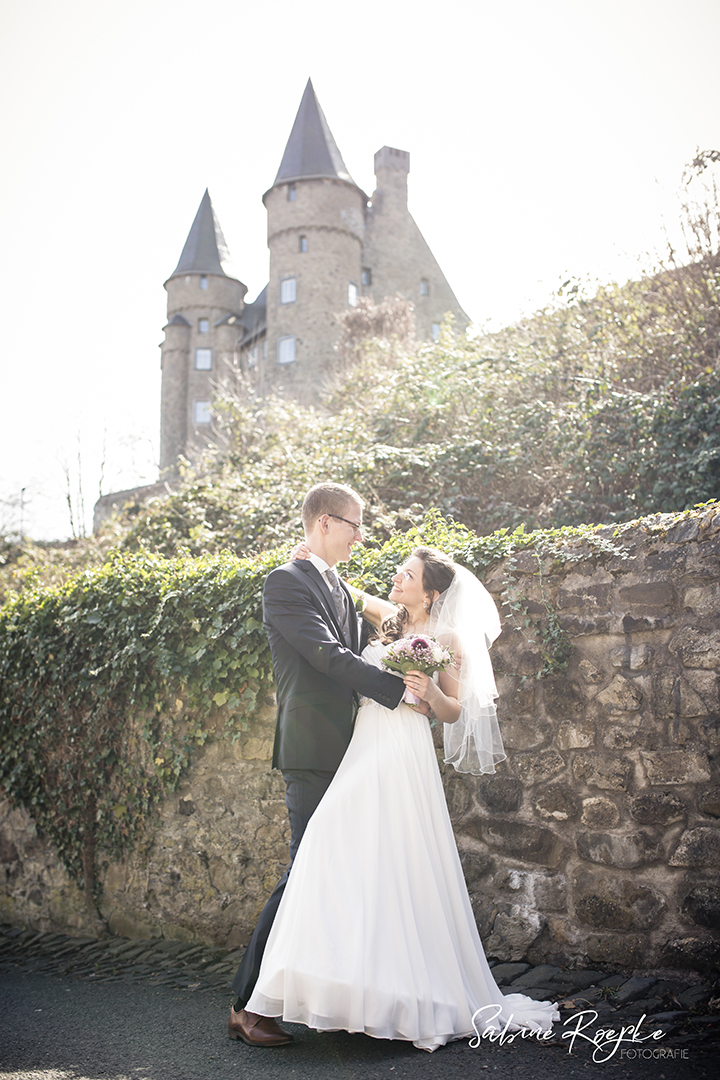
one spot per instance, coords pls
(328, 215)
(183, 383)
(396, 253)
(597, 842)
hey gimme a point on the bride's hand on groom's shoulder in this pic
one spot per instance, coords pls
(301, 551)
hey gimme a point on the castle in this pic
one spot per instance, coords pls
(329, 245)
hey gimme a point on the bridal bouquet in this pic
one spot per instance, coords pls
(418, 653)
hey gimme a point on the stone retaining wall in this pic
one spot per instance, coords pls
(596, 842)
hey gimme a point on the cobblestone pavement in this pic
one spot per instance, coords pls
(685, 1008)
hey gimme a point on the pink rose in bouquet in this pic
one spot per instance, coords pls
(417, 653)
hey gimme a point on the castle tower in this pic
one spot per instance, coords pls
(316, 219)
(396, 257)
(205, 301)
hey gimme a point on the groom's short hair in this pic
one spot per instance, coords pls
(327, 499)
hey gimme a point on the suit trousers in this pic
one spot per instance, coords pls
(304, 788)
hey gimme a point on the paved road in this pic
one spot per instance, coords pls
(55, 1027)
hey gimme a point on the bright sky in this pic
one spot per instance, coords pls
(547, 139)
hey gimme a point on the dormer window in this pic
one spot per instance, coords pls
(203, 325)
(203, 282)
(288, 290)
(292, 193)
(424, 287)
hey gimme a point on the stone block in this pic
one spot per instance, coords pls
(600, 813)
(702, 904)
(657, 808)
(620, 951)
(675, 766)
(606, 903)
(698, 954)
(458, 793)
(589, 673)
(562, 698)
(534, 768)
(128, 924)
(620, 696)
(688, 702)
(632, 657)
(706, 684)
(513, 933)
(502, 794)
(647, 597)
(703, 600)
(519, 840)
(524, 733)
(709, 802)
(459, 790)
(550, 892)
(699, 848)
(557, 801)
(697, 648)
(608, 772)
(588, 598)
(477, 868)
(520, 701)
(625, 735)
(623, 851)
(576, 734)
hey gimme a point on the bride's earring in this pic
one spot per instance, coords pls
(426, 605)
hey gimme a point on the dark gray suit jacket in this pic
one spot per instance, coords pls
(317, 674)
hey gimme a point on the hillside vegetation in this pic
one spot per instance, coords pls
(600, 408)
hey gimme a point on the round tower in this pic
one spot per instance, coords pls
(316, 220)
(205, 302)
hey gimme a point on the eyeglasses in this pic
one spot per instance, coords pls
(355, 527)
(404, 574)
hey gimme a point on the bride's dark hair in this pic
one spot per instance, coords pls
(437, 575)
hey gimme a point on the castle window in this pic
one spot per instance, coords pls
(303, 243)
(292, 193)
(353, 294)
(252, 356)
(424, 287)
(203, 359)
(264, 349)
(288, 290)
(203, 282)
(366, 275)
(286, 350)
(203, 325)
(202, 412)
(435, 331)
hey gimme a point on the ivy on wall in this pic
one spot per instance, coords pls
(110, 680)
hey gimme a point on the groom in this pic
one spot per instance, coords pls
(313, 630)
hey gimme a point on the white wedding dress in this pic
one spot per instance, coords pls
(375, 932)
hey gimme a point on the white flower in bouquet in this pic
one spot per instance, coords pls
(418, 653)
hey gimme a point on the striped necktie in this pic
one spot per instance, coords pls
(340, 602)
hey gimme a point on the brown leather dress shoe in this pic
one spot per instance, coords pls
(257, 1030)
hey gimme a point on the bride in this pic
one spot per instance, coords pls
(375, 932)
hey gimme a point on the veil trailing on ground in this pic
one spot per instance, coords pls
(465, 618)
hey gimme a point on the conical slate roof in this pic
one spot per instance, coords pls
(205, 250)
(311, 150)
